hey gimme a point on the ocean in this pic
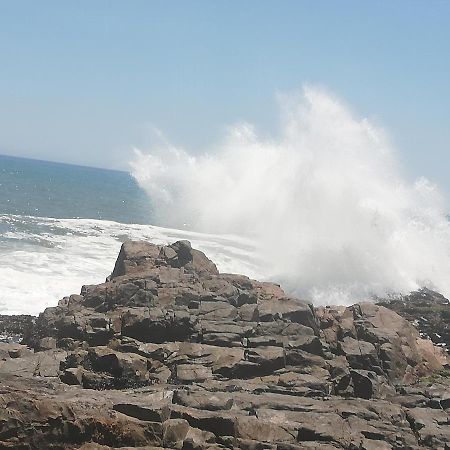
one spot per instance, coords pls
(61, 226)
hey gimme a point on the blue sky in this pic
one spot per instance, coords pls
(84, 81)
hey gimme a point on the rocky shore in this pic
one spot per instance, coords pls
(169, 353)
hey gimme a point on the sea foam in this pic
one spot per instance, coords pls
(331, 214)
(44, 259)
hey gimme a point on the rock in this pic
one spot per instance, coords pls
(359, 354)
(189, 373)
(290, 309)
(46, 343)
(157, 327)
(175, 432)
(310, 344)
(139, 256)
(146, 413)
(13, 350)
(42, 364)
(367, 384)
(169, 353)
(428, 310)
(376, 338)
(134, 256)
(14, 328)
(72, 375)
(431, 425)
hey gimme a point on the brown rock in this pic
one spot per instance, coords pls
(168, 353)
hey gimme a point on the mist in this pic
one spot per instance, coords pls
(325, 202)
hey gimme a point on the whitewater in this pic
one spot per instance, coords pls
(57, 256)
(322, 207)
(327, 206)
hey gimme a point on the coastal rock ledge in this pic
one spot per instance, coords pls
(170, 353)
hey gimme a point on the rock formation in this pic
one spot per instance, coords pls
(169, 353)
(428, 310)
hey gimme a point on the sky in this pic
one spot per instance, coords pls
(84, 82)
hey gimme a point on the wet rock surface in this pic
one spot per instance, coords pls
(168, 353)
(14, 328)
(428, 310)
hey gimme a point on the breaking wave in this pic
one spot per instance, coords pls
(325, 203)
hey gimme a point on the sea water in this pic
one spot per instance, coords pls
(61, 226)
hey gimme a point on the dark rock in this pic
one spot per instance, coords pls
(15, 328)
(359, 354)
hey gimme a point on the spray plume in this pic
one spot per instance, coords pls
(330, 213)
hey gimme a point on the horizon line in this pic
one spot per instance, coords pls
(83, 166)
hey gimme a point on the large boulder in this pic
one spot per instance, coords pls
(139, 256)
(373, 337)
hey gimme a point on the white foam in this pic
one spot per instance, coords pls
(329, 210)
(74, 252)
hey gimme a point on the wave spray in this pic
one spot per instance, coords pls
(331, 215)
